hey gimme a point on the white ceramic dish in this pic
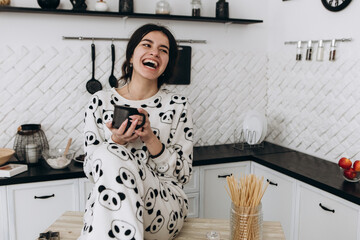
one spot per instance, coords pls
(254, 127)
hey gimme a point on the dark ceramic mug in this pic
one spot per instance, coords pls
(121, 113)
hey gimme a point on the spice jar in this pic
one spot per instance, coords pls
(162, 7)
(332, 50)
(196, 6)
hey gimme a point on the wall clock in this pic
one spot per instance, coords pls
(335, 5)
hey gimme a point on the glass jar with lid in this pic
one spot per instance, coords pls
(162, 7)
(196, 7)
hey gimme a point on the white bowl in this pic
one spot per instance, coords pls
(55, 157)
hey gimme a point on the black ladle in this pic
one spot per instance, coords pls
(93, 85)
(112, 79)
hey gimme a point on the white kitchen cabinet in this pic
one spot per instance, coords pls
(32, 207)
(4, 233)
(278, 202)
(324, 216)
(214, 200)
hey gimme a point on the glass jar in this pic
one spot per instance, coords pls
(246, 222)
(196, 6)
(162, 7)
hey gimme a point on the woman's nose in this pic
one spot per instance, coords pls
(155, 52)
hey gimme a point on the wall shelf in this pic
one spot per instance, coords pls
(133, 15)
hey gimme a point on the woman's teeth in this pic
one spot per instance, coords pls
(151, 64)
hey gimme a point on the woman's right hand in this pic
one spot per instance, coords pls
(119, 135)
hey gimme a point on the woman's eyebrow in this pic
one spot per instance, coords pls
(148, 40)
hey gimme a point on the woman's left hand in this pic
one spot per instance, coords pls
(148, 137)
(145, 132)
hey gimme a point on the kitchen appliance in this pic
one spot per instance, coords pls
(30, 142)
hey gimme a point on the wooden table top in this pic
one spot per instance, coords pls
(70, 224)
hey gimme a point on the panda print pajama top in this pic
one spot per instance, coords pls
(135, 195)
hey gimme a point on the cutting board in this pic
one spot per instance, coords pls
(182, 73)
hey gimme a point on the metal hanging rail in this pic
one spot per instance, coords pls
(124, 39)
(325, 40)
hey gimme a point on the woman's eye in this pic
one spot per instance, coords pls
(164, 50)
(146, 45)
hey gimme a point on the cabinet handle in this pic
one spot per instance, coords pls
(44, 197)
(224, 176)
(271, 183)
(326, 209)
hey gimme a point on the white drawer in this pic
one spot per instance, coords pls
(34, 206)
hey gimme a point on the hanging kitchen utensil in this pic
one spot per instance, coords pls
(112, 79)
(93, 85)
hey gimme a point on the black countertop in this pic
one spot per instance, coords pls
(314, 171)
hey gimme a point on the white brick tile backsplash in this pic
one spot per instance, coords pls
(310, 106)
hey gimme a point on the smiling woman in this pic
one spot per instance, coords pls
(139, 171)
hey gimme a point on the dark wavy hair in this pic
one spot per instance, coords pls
(136, 38)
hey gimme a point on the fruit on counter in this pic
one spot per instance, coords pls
(350, 173)
(356, 166)
(345, 163)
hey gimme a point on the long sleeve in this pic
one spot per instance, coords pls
(176, 160)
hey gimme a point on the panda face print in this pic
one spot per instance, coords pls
(184, 179)
(97, 172)
(183, 116)
(178, 99)
(150, 199)
(108, 115)
(154, 104)
(122, 230)
(142, 171)
(110, 199)
(167, 117)
(139, 212)
(88, 219)
(171, 193)
(172, 134)
(178, 167)
(162, 168)
(140, 154)
(173, 218)
(163, 192)
(156, 132)
(95, 103)
(156, 224)
(114, 100)
(119, 151)
(178, 149)
(90, 138)
(188, 134)
(127, 178)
